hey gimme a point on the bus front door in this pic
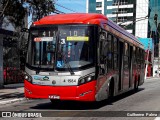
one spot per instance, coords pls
(120, 66)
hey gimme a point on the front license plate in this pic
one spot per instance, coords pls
(54, 97)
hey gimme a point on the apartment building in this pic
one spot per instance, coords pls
(130, 14)
(154, 32)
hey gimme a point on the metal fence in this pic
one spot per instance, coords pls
(13, 76)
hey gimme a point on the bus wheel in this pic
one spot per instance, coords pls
(55, 102)
(136, 85)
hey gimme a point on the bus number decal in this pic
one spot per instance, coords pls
(70, 80)
(75, 33)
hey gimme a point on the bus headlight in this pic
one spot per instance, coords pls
(28, 78)
(85, 79)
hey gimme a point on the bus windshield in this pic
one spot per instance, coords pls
(60, 47)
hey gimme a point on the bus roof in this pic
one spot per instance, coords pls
(72, 18)
(84, 18)
(123, 31)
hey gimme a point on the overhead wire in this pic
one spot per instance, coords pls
(79, 4)
(65, 7)
(62, 6)
(58, 11)
(141, 24)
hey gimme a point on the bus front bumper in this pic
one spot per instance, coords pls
(85, 92)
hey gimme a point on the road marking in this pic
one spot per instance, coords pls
(11, 101)
(157, 118)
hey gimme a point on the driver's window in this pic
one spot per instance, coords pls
(103, 44)
(103, 52)
(110, 51)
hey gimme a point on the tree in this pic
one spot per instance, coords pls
(15, 10)
(40, 8)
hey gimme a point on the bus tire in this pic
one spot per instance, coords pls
(55, 102)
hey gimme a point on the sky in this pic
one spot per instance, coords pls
(71, 6)
(67, 6)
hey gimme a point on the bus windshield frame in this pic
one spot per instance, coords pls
(61, 47)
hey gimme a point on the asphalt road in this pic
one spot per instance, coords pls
(123, 107)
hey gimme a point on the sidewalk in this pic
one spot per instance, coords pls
(12, 93)
(153, 78)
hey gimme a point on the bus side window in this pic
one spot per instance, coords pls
(103, 52)
(110, 52)
(103, 46)
(134, 54)
(115, 47)
(126, 56)
(138, 56)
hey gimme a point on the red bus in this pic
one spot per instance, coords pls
(81, 57)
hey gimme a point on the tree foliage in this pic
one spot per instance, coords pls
(15, 10)
(40, 8)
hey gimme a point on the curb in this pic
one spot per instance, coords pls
(152, 78)
(3, 102)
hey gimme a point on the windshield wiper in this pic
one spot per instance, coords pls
(68, 65)
(65, 60)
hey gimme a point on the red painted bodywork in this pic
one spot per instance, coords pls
(73, 18)
(85, 18)
(73, 92)
(65, 92)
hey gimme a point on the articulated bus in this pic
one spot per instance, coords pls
(81, 57)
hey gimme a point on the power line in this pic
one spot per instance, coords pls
(58, 12)
(141, 8)
(80, 4)
(149, 6)
(65, 7)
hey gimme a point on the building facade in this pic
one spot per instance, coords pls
(154, 32)
(139, 17)
(90, 6)
(130, 14)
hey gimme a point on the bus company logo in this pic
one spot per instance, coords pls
(38, 78)
(41, 78)
(46, 78)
